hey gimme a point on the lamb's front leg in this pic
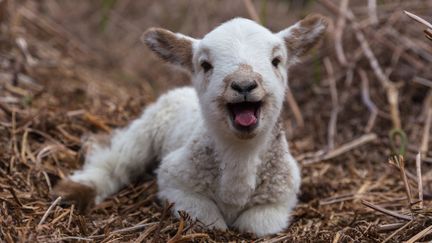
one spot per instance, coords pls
(267, 218)
(183, 183)
(197, 206)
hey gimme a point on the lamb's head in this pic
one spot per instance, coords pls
(239, 70)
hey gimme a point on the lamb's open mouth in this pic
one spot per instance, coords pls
(245, 115)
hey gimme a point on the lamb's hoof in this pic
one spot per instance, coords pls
(82, 196)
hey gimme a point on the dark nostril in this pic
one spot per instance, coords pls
(244, 87)
(252, 86)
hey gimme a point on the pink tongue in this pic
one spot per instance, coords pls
(245, 117)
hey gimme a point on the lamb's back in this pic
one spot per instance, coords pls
(176, 115)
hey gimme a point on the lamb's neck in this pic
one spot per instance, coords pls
(239, 162)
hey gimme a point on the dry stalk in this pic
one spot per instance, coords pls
(390, 88)
(49, 210)
(367, 100)
(372, 9)
(386, 41)
(342, 149)
(46, 25)
(70, 215)
(393, 99)
(419, 179)
(419, 48)
(386, 211)
(59, 217)
(335, 103)
(400, 229)
(251, 10)
(424, 147)
(420, 234)
(71, 238)
(428, 31)
(391, 227)
(145, 234)
(177, 236)
(294, 108)
(428, 34)
(418, 19)
(338, 34)
(191, 237)
(97, 121)
(423, 81)
(337, 237)
(14, 195)
(399, 162)
(277, 240)
(126, 230)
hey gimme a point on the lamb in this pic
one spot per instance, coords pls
(223, 154)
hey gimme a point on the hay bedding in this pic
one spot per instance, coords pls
(50, 102)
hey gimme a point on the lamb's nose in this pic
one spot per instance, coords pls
(244, 87)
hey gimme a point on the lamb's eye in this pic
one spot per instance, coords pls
(206, 66)
(276, 61)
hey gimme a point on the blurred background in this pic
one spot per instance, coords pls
(69, 69)
(110, 30)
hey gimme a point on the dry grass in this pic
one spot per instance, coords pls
(68, 70)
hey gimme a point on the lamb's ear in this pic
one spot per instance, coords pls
(173, 48)
(303, 35)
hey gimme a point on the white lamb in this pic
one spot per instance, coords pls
(223, 155)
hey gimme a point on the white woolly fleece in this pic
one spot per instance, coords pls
(205, 168)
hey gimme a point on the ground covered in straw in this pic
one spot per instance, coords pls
(70, 70)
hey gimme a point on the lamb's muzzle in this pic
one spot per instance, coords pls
(245, 115)
(224, 158)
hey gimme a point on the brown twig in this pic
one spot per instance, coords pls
(59, 217)
(419, 48)
(342, 149)
(294, 108)
(423, 81)
(386, 41)
(390, 227)
(14, 195)
(97, 121)
(399, 162)
(125, 230)
(70, 215)
(45, 24)
(386, 211)
(177, 237)
(397, 231)
(424, 147)
(421, 234)
(364, 44)
(49, 210)
(418, 19)
(428, 33)
(391, 89)
(146, 233)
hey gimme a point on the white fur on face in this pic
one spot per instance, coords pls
(239, 42)
(236, 43)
